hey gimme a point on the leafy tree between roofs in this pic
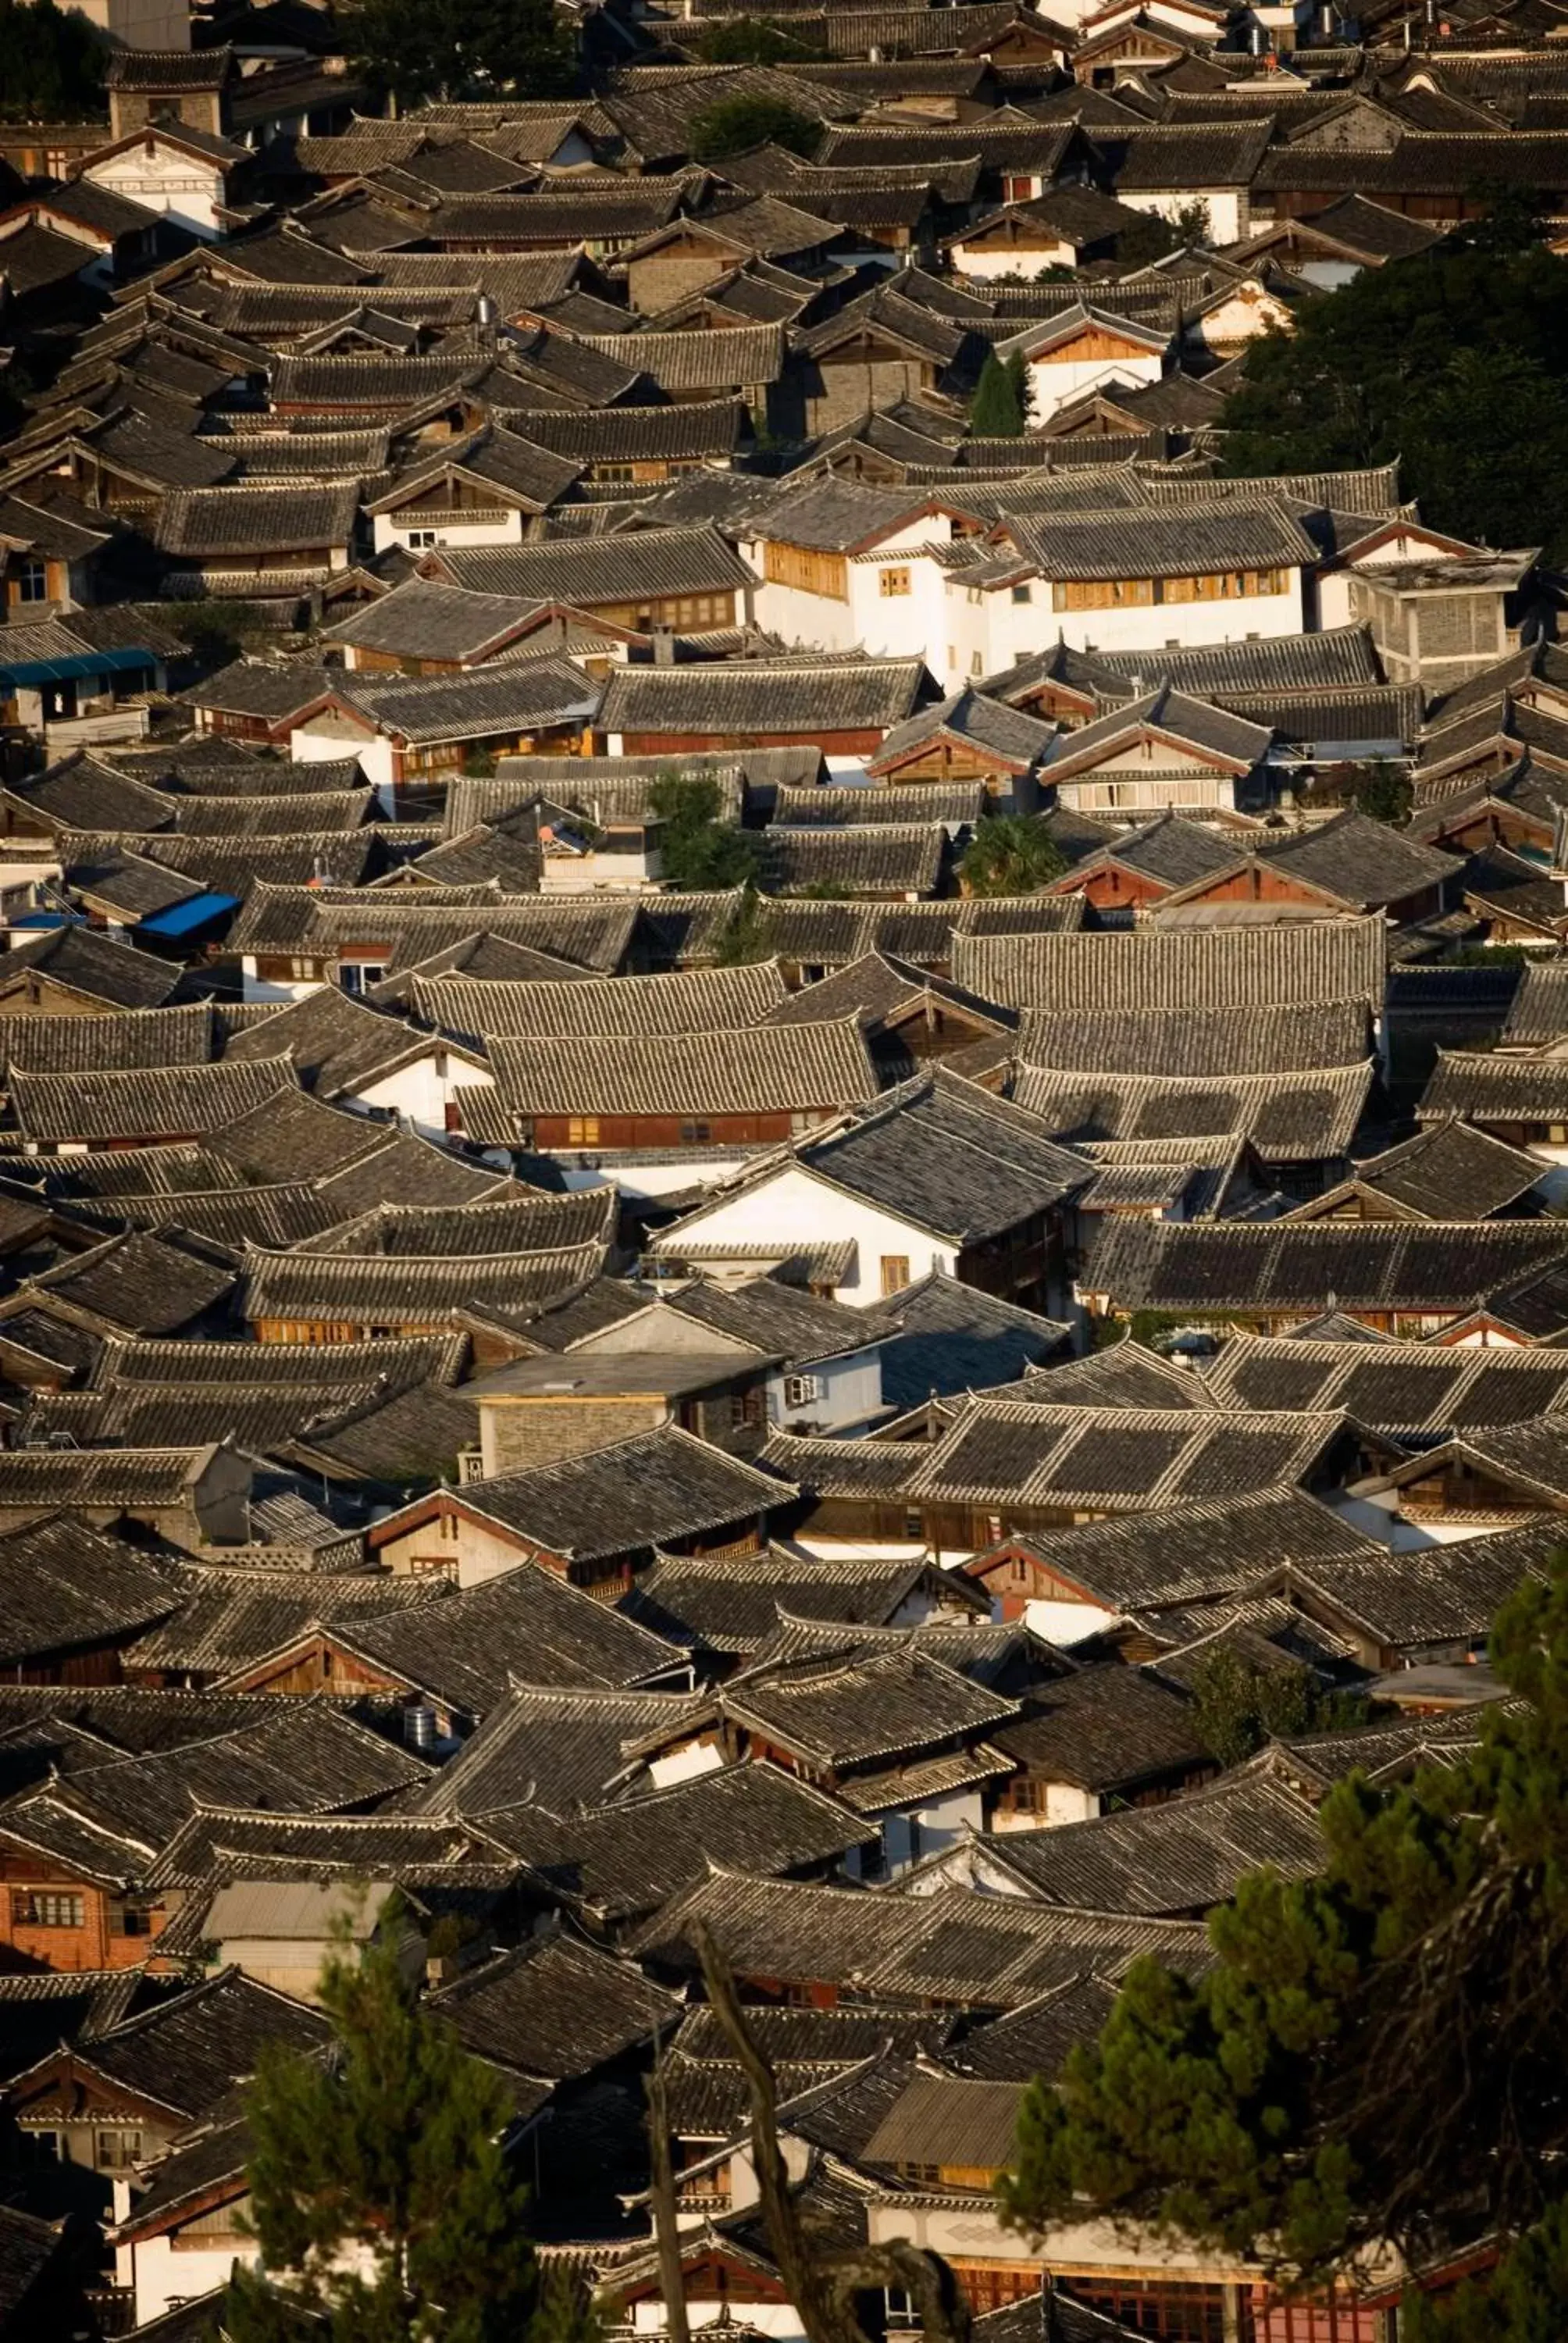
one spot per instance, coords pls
(696, 850)
(1010, 854)
(1237, 1706)
(736, 125)
(753, 41)
(462, 49)
(382, 2196)
(51, 64)
(1454, 361)
(1382, 792)
(1378, 2054)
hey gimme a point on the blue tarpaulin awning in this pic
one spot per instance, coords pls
(75, 669)
(194, 912)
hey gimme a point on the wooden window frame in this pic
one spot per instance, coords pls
(807, 569)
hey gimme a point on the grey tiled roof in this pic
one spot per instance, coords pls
(496, 699)
(1449, 1170)
(1156, 543)
(702, 1001)
(1317, 960)
(64, 1585)
(985, 1950)
(966, 716)
(619, 1861)
(1116, 1459)
(230, 1617)
(873, 859)
(1202, 1041)
(528, 478)
(1397, 1388)
(956, 803)
(1180, 1856)
(173, 1103)
(681, 362)
(256, 687)
(1291, 1266)
(1363, 861)
(555, 2008)
(561, 1749)
(765, 1069)
(81, 961)
(514, 1220)
(205, 523)
(698, 429)
(131, 1038)
(587, 570)
(372, 1291)
(1171, 715)
(954, 1159)
(336, 1044)
(1496, 1087)
(1287, 1118)
(845, 696)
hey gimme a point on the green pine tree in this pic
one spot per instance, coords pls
(382, 2198)
(997, 409)
(1378, 2052)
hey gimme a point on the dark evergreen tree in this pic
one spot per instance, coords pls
(51, 64)
(752, 41)
(1455, 361)
(465, 48)
(749, 936)
(1378, 2054)
(382, 2198)
(1383, 791)
(996, 411)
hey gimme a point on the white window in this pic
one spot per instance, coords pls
(43, 1908)
(799, 1391)
(420, 541)
(32, 582)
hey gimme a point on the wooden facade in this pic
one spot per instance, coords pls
(54, 1919)
(1112, 886)
(863, 741)
(551, 1132)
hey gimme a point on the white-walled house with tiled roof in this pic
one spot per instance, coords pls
(842, 564)
(1083, 350)
(1128, 577)
(937, 1176)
